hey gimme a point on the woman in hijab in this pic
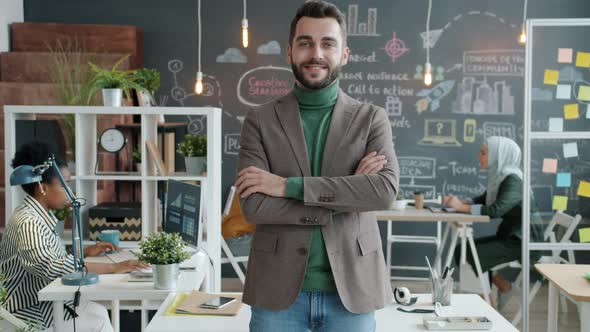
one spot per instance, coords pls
(502, 199)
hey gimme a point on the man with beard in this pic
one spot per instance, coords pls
(312, 165)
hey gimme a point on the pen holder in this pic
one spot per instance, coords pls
(442, 289)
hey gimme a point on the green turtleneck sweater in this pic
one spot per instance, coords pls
(315, 109)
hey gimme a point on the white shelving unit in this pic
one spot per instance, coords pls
(86, 181)
(529, 136)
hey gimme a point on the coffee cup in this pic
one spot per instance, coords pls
(110, 235)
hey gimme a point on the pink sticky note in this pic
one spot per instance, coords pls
(565, 55)
(549, 165)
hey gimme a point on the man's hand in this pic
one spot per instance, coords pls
(254, 180)
(371, 164)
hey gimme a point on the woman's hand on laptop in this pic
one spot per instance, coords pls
(99, 249)
(128, 266)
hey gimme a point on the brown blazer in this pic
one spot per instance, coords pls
(273, 140)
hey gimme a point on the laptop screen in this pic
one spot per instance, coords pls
(183, 211)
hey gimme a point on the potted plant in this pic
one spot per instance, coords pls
(136, 156)
(165, 252)
(194, 150)
(400, 203)
(113, 83)
(149, 81)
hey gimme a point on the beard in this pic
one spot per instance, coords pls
(332, 75)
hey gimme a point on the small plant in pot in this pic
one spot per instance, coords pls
(136, 156)
(113, 83)
(149, 81)
(400, 203)
(194, 150)
(165, 252)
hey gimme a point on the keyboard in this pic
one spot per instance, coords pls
(121, 256)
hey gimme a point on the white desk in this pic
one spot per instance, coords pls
(459, 223)
(115, 288)
(569, 278)
(388, 319)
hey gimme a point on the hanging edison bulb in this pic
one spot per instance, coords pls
(427, 74)
(522, 36)
(245, 33)
(199, 83)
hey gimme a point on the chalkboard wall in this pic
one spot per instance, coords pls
(477, 64)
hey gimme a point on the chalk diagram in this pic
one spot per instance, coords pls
(435, 34)
(417, 168)
(356, 28)
(211, 93)
(271, 48)
(432, 97)
(395, 48)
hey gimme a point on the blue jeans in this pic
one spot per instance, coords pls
(312, 312)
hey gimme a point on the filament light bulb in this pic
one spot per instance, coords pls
(245, 32)
(199, 83)
(427, 75)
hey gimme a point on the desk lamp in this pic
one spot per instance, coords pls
(26, 174)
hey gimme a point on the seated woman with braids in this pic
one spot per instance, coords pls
(32, 254)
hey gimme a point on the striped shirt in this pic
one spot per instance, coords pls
(32, 255)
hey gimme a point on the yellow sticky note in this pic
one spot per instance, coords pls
(584, 189)
(559, 203)
(551, 77)
(584, 93)
(571, 111)
(583, 59)
(584, 234)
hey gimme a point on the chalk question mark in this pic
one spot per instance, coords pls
(439, 127)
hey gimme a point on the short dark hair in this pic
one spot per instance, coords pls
(35, 153)
(318, 9)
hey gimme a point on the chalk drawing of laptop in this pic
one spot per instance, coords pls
(440, 132)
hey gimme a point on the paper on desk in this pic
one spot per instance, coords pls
(584, 189)
(571, 111)
(583, 59)
(584, 234)
(559, 203)
(564, 179)
(584, 93)
(555, 124)
(193, 300)
(564, 91)
(565, 55)
(551, 77)
(549, 165)
(570, 150)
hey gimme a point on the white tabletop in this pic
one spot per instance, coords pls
(388, 319)
(412, 214)
(116, 287)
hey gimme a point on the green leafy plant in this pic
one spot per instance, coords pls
(32, 326)
(113, 78)
(136, 154)
(71, 75)
(3, 291)
(163, 249)
(400, 195)
(62, 214)
(148, 79)
(193, 146)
